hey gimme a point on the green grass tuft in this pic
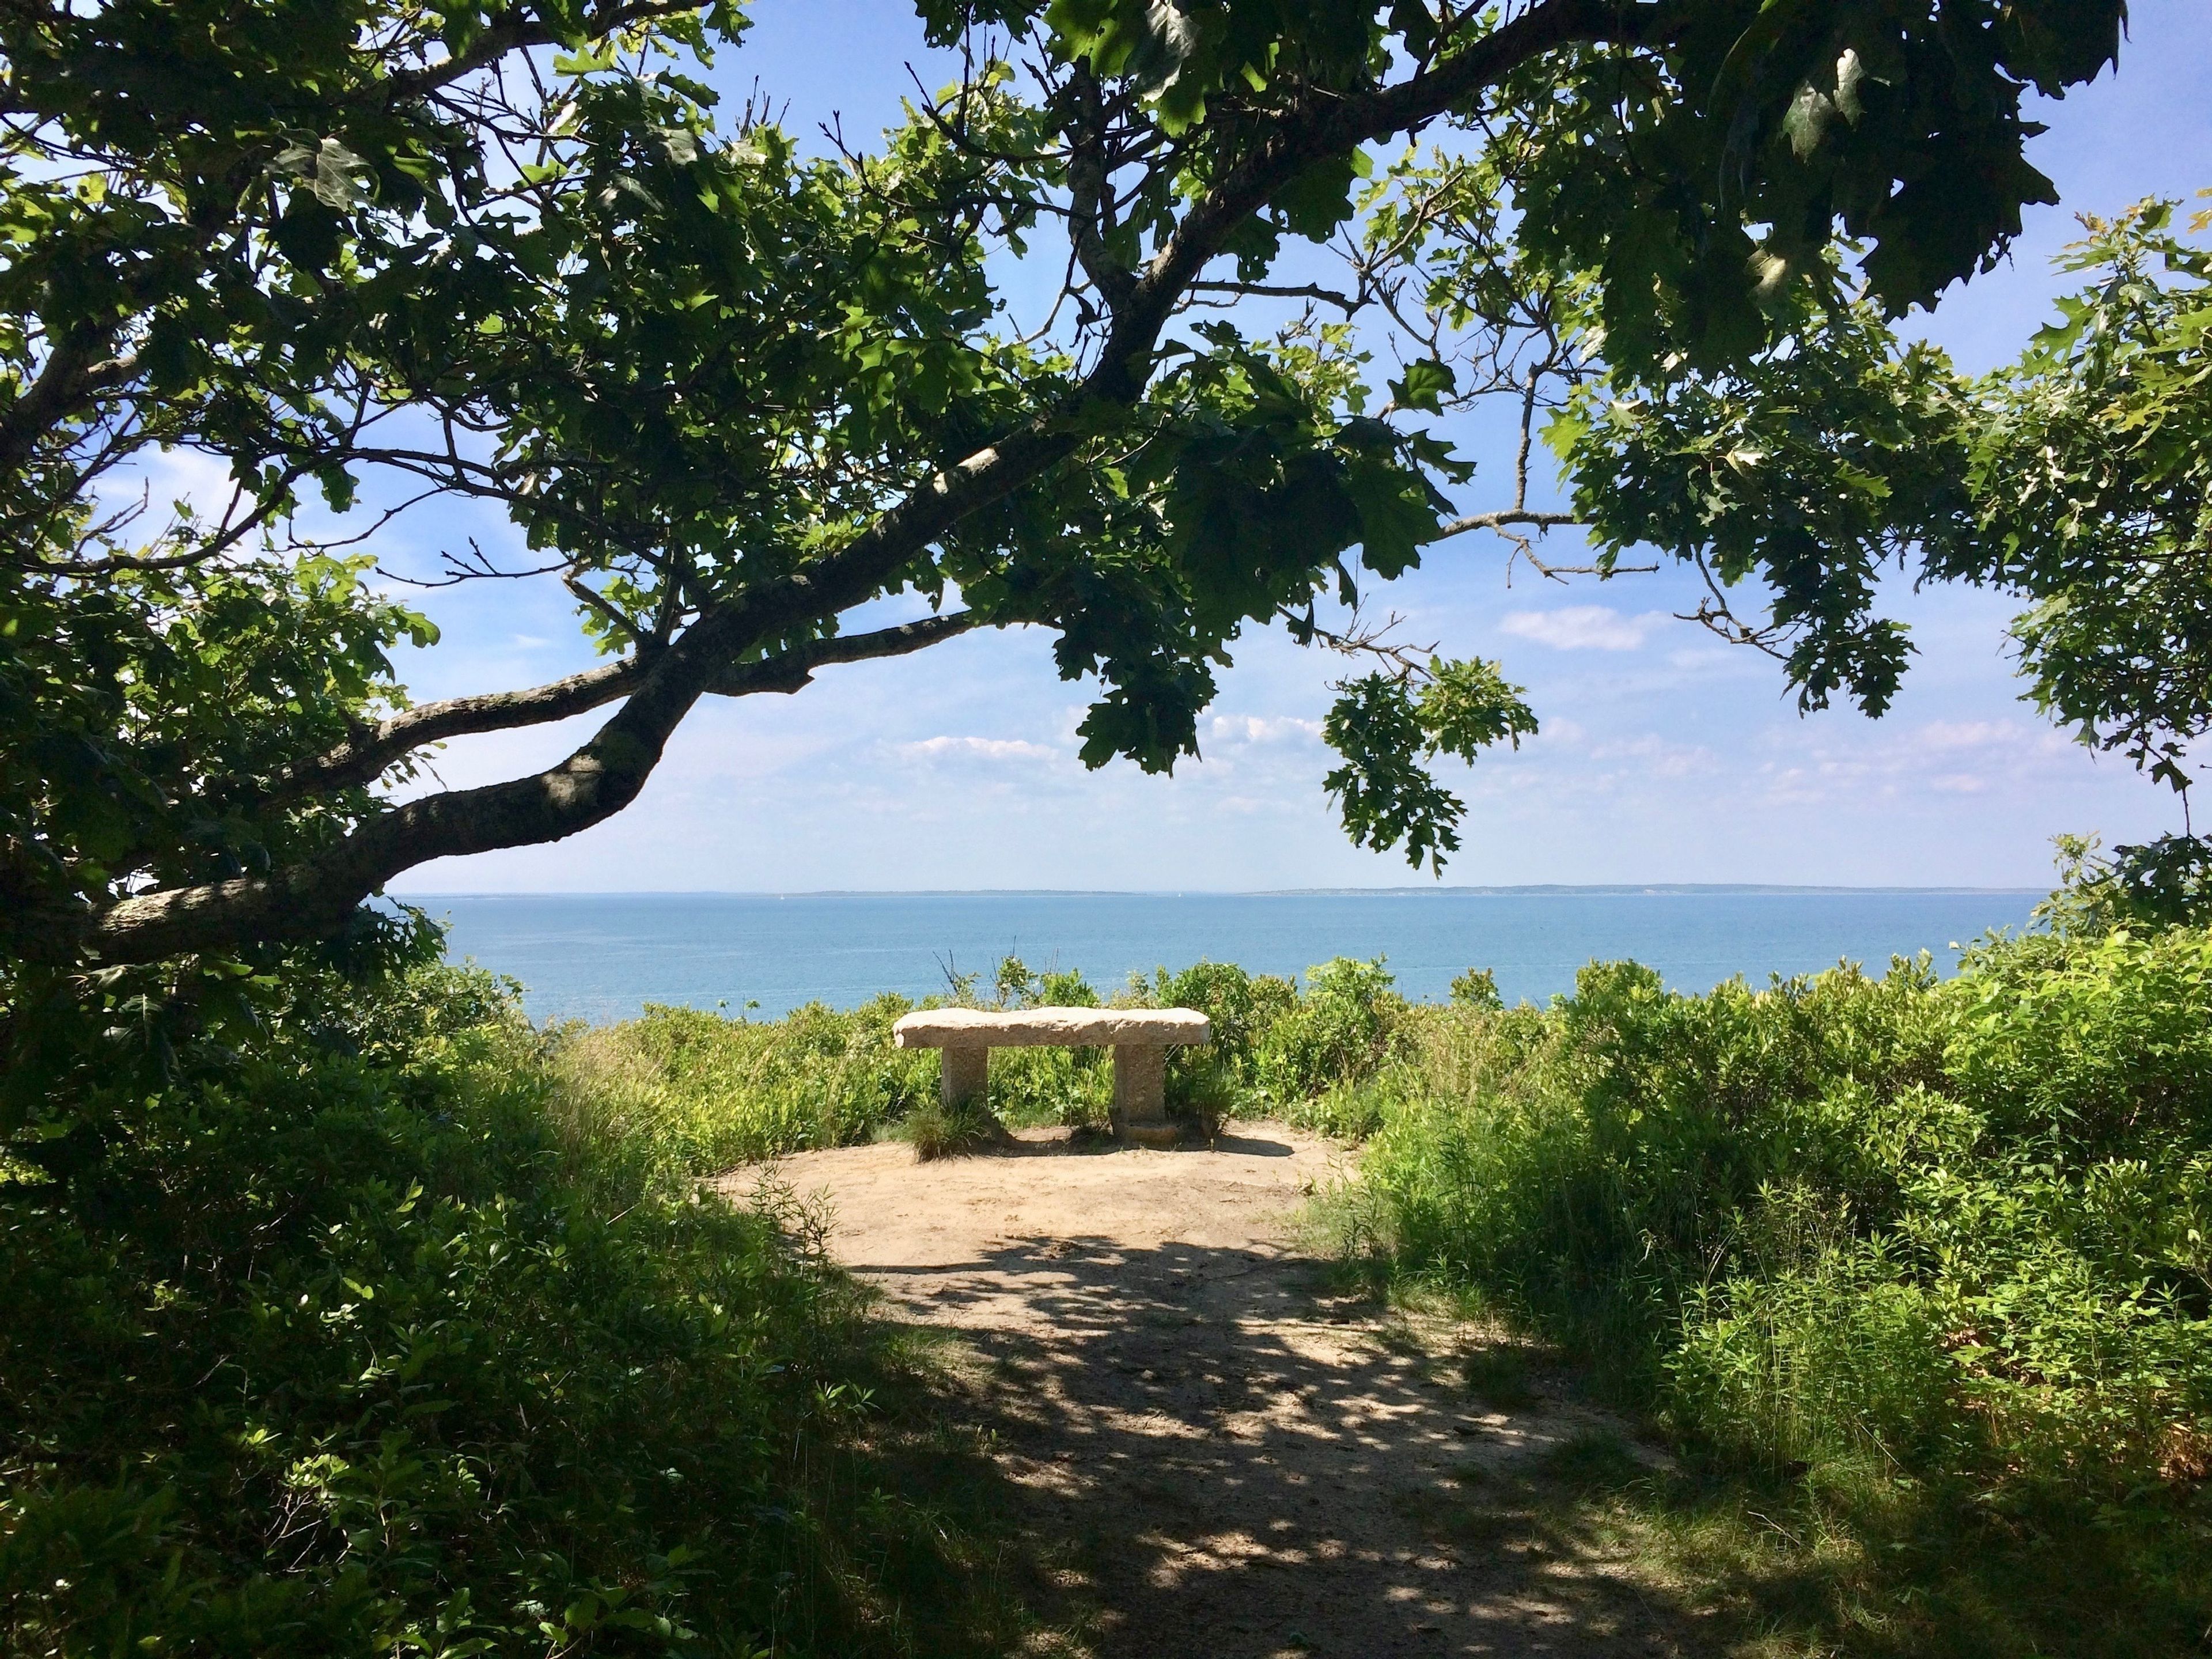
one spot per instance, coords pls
(939, 1131)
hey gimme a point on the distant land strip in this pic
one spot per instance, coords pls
(1548, 889)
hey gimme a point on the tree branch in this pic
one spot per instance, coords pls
(1090, 199)
(790, 670)
(1504, 518)
(605, 773)
(1344, 302)
(517, 29)
(367, 757)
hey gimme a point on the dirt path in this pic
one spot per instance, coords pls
(1249, 1465)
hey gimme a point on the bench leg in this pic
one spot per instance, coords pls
(966, 1076)
(1140, 1105)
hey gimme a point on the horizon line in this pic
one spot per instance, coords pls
(1624, 889)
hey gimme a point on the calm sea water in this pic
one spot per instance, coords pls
(600, 958)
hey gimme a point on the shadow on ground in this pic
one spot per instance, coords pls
(1153, 1428)
(1251, 1466)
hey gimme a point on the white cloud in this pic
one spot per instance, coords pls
(1582, 628)
(1948, 735)
(1883, 762)
(997, 748)
(187, 475)
(1653, 756)
(1254, 728)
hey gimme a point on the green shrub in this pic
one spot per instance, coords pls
(1941, 1241)
(1069, 989)
(1476, 988)
(702, 1093)
(1241, 1007)
(1356, 1108)
(351, 1343)
(1034, 1086)
(1841, 1357)
(936, 1130)
(1338, 1033)
(1203, 1093)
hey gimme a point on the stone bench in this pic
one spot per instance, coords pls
(1140, 1038)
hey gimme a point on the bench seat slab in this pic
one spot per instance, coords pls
(1050, 1028)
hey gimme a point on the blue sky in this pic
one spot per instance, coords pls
(1665, 755)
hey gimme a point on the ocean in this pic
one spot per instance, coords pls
(602, 956)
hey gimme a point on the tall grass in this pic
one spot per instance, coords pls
(697, 1092)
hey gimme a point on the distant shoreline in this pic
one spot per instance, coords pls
(1552, 890)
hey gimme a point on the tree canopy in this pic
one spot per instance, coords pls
(2078, 478)
(369, 255)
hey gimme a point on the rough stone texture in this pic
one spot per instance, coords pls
(966, 1075)
(1138, 1036)
(1050, 1028)
(1140, 1103)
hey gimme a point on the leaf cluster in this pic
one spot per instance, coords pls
(1387, 728)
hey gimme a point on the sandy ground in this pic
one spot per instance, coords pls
(1249, 1465)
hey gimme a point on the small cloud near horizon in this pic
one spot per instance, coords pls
(1582, 628)
(978, 748)
(1257, 728)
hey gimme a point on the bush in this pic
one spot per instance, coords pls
(374, 1338)
(1242, 1007)
(1338, 1033)
(1893, 1235)
(701, 1093)
(937, 1131)
(696, 1093)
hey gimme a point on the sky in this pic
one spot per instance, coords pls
(1665, 755)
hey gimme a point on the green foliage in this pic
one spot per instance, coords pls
(1340, 1030)
(1810, 118)
(2093, 475)
(703, 1093)
(1204, 1092)
(1476, 988)
(2166, 881)
(2075, 478)
(111, 693)
(1387, 732)
(1814, 466)
(1934, 1246)
(935, 1131)
(694, 1093)
(1921, 1261)
(367, 1340)
(1242, 483)
(1065, 989)
(1241, 1007)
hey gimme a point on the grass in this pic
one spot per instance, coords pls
(938, 1131)
(1500, 1373)
(1772, 1570)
